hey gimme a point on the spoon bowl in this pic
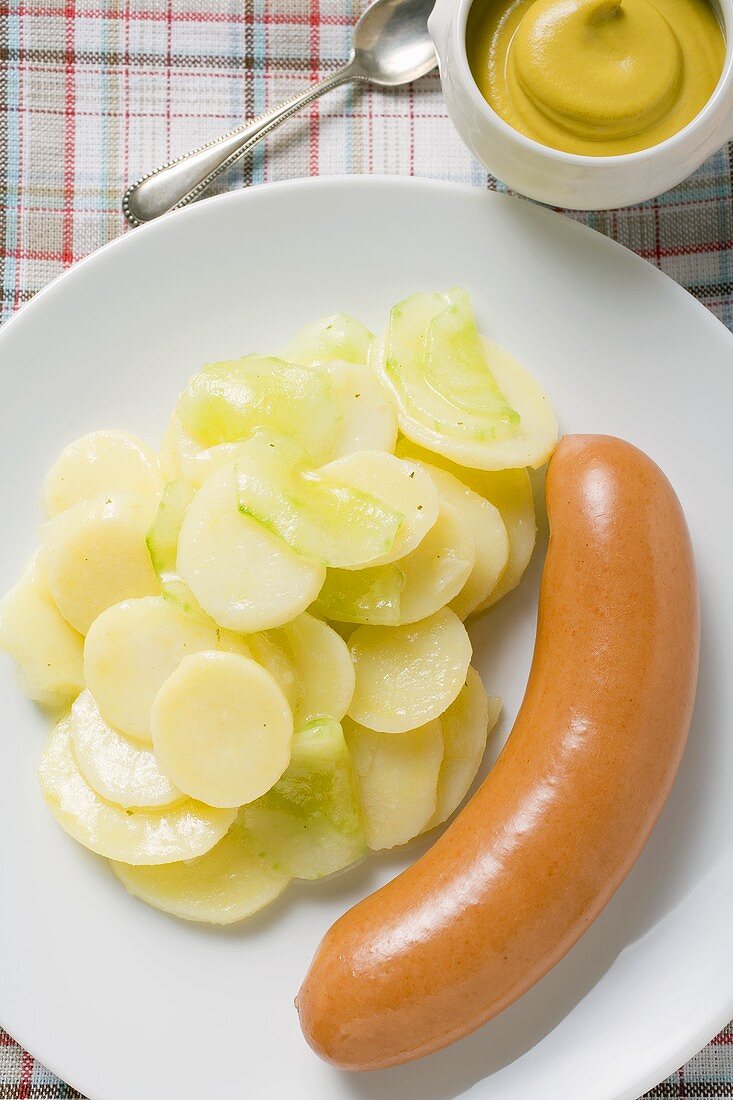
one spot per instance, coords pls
(391, 42)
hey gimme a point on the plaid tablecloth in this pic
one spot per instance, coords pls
(95, 92)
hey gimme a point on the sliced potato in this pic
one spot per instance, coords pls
(47, 650)
(309, 824)
(95, 555)
(408, 675)
(337, 336)
(436, 570)
(183, 457)
(313, 512)
(224, 886)
(458, 394)
(368, 419)
(184, 831)
(510, 491)
(323, 667)
(271, 649)
(131, 650)
(466, 724)
(370, 595)
(229, 401)
(243, 575)
(397, 775)
(106, 463)
(402, 485)
(483, 520)
(119, 770)
(222, 728)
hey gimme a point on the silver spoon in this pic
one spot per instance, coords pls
(391, 47)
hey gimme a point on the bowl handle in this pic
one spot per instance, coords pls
(439, 22)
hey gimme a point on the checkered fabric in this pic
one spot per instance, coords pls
(95, 92)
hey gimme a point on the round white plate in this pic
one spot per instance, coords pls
(126, 1003)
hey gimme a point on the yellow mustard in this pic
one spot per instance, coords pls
(599, 77)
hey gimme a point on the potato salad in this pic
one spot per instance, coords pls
(252, 641)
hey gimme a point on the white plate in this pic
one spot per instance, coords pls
(126, 1003)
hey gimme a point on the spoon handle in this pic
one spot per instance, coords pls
(182, 180)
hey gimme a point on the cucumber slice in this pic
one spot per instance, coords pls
(223, 886)
(162, 542)
(370, 595)
(335, 337)
(230, 401)
(309, 824)
(402, 486)
(183, 831)
(456, 393)
(316, 515)
(455, 365)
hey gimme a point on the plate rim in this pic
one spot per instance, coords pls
(704, 1033)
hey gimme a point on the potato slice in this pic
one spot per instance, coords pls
(466, 725)
(510, 491)
(397, 775)
(457, 393)
(309, 824)
(224, 886)
(145, 836)
(316, 514)
(47, 650)
(183, 457)
(324, 671)
(271, 649)
(368, 419)
(106, 463)
(407, 675)
(483, 520)
(95, 555)
(436, 570)
(402, 485)
(337, 336)
(119, 770)
(222, 728)
(131, 650)
(243, 575)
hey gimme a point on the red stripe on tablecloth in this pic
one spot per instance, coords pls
(26, 1075)
(67, 235)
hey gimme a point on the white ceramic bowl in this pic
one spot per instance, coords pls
(566, 179)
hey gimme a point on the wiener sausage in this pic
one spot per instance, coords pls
(537, 853)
